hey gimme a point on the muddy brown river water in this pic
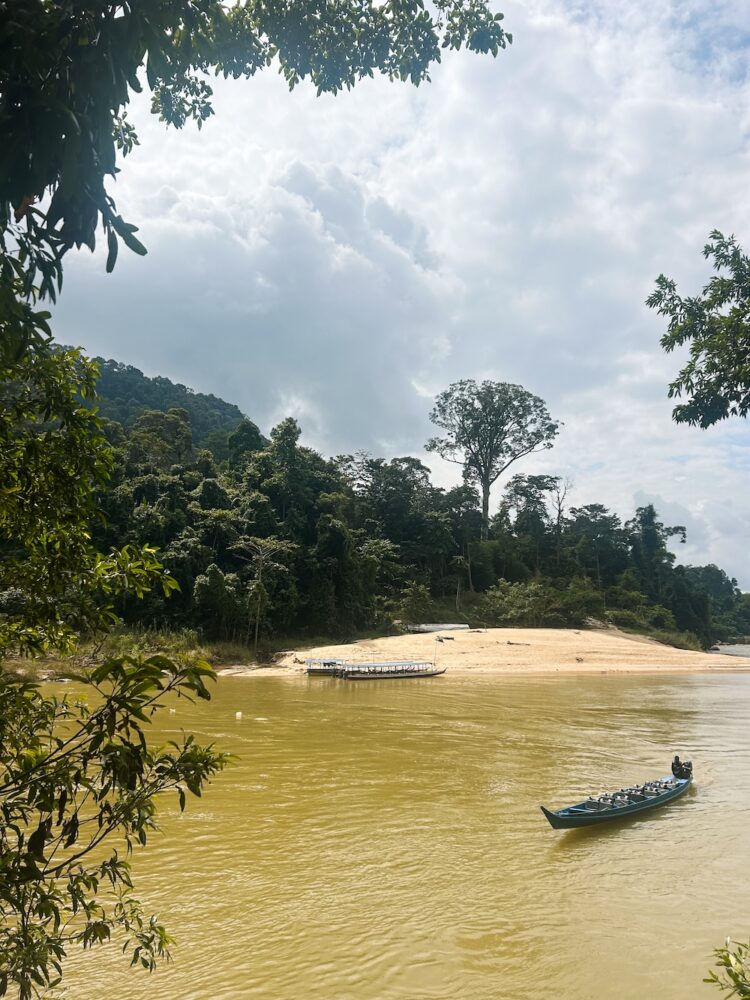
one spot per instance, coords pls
(383, 840)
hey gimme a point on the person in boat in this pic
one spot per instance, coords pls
(681, 768)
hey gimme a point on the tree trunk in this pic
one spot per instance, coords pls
(257, 612)
(485, 511)
(257, 626)
(249, 617)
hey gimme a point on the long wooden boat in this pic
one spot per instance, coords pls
(373, 671)
(626, 802)
(393, 670)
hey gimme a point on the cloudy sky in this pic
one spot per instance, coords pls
(343, 259)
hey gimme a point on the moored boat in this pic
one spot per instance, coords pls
(615, 805)
(395, 669)
(354, 671)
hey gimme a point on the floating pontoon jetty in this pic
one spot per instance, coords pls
(374, 671)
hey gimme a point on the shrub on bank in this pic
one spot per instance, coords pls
(536, 605)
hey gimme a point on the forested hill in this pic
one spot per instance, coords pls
(125, 393)
(268, 537)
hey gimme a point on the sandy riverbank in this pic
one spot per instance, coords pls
(515, 651)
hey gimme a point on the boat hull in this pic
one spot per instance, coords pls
(570, 818)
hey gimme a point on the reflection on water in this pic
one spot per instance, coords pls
(384, 840)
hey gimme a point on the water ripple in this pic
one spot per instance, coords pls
(384, 842)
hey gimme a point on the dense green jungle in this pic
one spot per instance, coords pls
(267, 538)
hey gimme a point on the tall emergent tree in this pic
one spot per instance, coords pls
(716, 325)
(489, 426)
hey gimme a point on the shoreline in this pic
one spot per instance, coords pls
(512, 652)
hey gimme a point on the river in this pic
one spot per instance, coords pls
(734, 649)
(383, 840)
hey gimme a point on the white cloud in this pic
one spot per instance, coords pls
(291, 300)
(343, 258)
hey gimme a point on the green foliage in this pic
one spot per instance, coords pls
(53, 460)
(74, 778)
(578, 601)
(243, 441)
(160, 440)
(601, 544)
(264, 556)
(523, 604)
(218, 600)
(124, 393)
(626, 619)
(488, 427)
(415, 603)
(716, 326)
(740, 622)
(181, 644)
(646, 617)
(360, 533)
(722, 591)
(67, 71)
(680, 640)
(733, 961)
(535, 604)
(178, 643)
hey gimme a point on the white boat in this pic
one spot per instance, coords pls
(436, 628)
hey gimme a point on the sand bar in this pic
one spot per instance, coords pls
(515, 651)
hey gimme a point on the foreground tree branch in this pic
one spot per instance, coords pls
(715, 325)
(68, 69)
(78, 785)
